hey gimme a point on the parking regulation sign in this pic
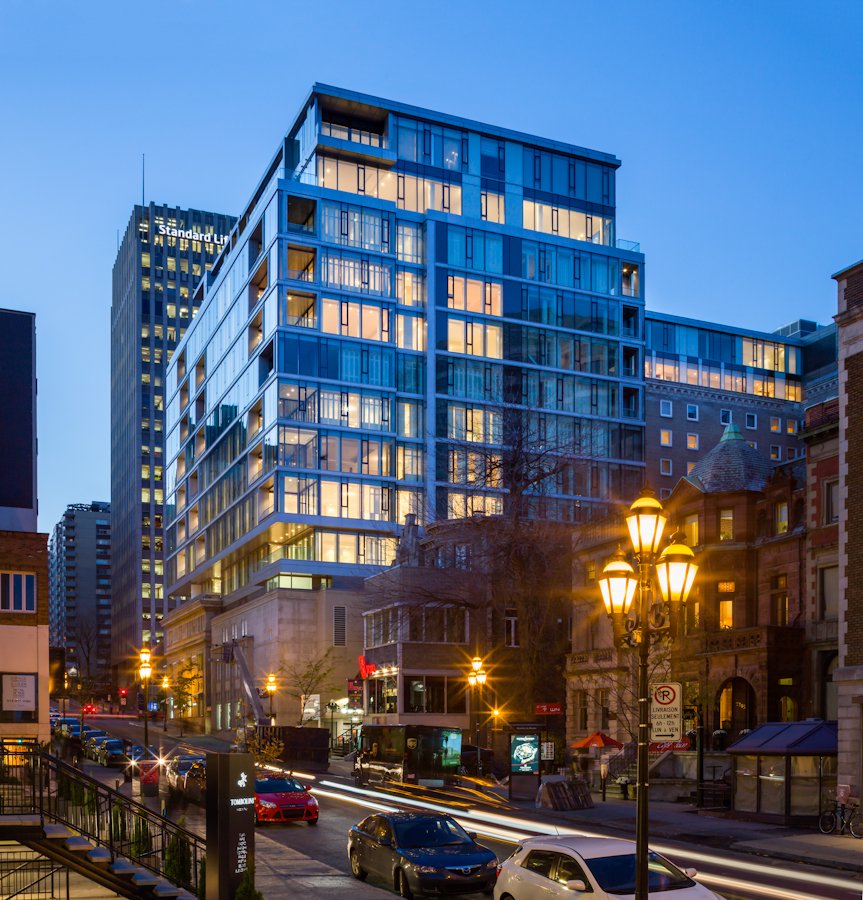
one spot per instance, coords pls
(666, 711)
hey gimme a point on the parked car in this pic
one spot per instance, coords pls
(91, 741)
(111, 752)
(420, 852)
(546, 867)
(279, 798)
(175, 770)
(134, 753)
(195, 783)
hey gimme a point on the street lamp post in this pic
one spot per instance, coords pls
(332, 706)
(476, 679)
(165, 685)
(674, 568)
(271, 690)
(145, 671)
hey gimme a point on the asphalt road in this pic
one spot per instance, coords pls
(312, 862)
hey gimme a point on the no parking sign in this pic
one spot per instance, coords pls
(666, 711)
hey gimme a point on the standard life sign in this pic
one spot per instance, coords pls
(666, 711)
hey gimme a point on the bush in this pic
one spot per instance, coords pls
(141, 842)
(178, 859)
(246, 890)
(202, 880)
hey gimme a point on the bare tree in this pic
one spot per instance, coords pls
(309, 676)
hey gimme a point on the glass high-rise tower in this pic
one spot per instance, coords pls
(407, 296)
(164, 254)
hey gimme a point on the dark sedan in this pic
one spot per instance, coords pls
(111, 752)
(420, 853)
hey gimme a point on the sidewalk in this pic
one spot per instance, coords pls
(711, 829)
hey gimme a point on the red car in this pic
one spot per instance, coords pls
(279, 798)
(89, 709)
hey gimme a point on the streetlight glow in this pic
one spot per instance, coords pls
(675, 571)
(617, 585)
(620, 584)
(646, 523)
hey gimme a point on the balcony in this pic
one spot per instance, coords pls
(761, 637)
(825, 631)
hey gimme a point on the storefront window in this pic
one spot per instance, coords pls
(746, 784)
(772, 781)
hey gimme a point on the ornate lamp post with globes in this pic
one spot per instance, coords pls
(674, 569)
(476, 678)
(145, 671)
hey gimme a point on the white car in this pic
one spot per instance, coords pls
(598, 867)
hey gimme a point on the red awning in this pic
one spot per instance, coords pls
(597, 739)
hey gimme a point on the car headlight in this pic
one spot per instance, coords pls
(491, 864)
(266, 804)
(311, 802)
(425, 870)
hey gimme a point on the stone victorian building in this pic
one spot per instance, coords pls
(737, 645)
(849, 671)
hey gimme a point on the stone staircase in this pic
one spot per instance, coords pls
(93, 830)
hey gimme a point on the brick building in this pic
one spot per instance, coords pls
(737, 645)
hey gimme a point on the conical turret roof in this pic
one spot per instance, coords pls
(732, 465)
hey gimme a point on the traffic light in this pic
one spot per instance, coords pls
(122, 692)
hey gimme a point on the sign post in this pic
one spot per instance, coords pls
(666, 715)
(230, 822)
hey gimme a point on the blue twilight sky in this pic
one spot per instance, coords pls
(738, 124)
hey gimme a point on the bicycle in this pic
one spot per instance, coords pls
(840, 818)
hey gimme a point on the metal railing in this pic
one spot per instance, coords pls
(26, 873)
(33, 782)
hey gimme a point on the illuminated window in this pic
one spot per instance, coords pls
(791, 426)
(689, 467)
(691, 441)
(775, 424)
(779, 600)
(726, 587)
(690, 530)
(775, 452)
(726, 614)
(665, 437)
(781, 513)
(492, 207)
(726, 524)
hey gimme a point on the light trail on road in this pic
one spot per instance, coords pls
(512, 829)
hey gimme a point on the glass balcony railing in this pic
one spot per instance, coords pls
(633, 246)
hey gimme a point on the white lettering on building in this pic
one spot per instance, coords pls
(193, 235)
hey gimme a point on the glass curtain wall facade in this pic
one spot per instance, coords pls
(408, 299)
(164, 253)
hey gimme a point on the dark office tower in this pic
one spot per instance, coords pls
(24, 655)
(17, 420)
(164, 253)
(79, 571)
